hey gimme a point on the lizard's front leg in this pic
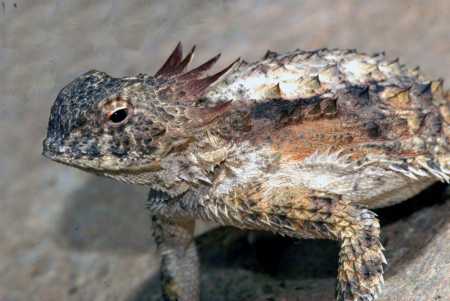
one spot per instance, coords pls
(179, 259)
(304, 213)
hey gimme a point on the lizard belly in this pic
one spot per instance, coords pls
(398, 195)
(373, 185)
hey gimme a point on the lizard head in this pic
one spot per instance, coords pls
(120, 125)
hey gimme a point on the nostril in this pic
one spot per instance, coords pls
(50, 148)
(46, 152)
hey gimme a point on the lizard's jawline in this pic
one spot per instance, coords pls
(99, 166)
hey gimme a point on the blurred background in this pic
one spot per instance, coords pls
(67, 235)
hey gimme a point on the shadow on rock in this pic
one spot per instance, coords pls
(105, 215)
(408, 227)
(239, 265)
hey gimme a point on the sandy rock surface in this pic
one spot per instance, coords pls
(66, 235)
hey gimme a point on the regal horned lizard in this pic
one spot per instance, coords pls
(302, 144)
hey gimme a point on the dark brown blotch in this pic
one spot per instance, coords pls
(329, 107)
(373, 129)
(279, 111)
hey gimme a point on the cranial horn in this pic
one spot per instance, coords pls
(175, 64)
(195, 73)
(185, 62)
(196, 87)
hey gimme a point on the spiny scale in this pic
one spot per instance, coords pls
(189, 85)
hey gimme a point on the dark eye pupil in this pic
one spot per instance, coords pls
(118, 116)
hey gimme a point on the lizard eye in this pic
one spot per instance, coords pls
(117, 111)
(118, 116)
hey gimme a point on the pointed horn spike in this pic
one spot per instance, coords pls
(437, 86)
(172, 62)
(224, 70)
(194, 73)
(269, 54)
(394, 61)
(274, 91)
(423, 89)
(196, 87)
(185, 62)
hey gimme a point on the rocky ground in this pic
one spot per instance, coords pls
(66, 235)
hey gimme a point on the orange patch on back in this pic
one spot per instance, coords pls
(301, 140)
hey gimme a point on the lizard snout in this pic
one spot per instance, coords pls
(50, 149)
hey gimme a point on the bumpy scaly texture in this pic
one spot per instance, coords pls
(301, 143)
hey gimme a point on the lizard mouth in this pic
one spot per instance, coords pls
(102, 163)
(50, 150)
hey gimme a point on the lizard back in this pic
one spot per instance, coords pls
(339, 121)
(310, 101)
